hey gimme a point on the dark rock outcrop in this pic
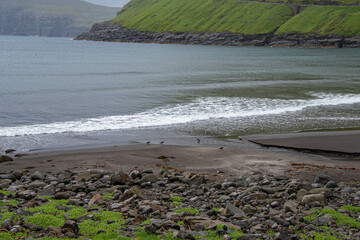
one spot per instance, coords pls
(108, 31)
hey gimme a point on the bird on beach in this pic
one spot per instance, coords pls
(221, 148)
(198, 140)
(161, 142)
(148, 142)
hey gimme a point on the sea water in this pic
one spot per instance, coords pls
(59, 93)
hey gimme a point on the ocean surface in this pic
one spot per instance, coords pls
(60, 93)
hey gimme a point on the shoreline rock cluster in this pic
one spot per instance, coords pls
(108, 31)
(185, 206)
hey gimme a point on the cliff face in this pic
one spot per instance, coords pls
(53, 18)
(18, 22)
(108, 31)
(233, 22)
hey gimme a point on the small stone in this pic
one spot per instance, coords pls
(4, 158)
(231, 209)
(70, 224)
(250, 237)
(291, 206)
(27, 194)
(62, 195)
(331, 184)
(308, 199)
(32, 227)
(120, 178)
(96, 200)
(300, 194)
(196, 180)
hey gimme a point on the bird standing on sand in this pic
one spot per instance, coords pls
(221, 148)
(161, 142)
(148, 142)
(198, 140)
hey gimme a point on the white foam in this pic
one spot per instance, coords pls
(198, 110)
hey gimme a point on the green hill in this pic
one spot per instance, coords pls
(243, 17)
(50, 17)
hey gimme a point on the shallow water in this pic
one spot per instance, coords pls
(56, 92)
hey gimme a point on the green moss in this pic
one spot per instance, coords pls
(88, 227)
(176, 200)
(46, 220)
(216, 209)
(341, 219)
(351, 208)
(188, 210)
(77, 212)
(12, 202)
(4, 192)
(108, 196)
(147, 221)
(321, 236)
(5, 215)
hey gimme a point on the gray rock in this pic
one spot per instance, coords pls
(120, 178)
(149, 178)
(4, 158)
(283, 235)
(37, 176)
(267, 189)
(196, 180)
(331, 184)
(37, 184)
(300, 194)
(308, 199)
(8, 176)
(26, 194)
(32, 227)
(62, 195)
(16, 229)
(5, 183)
(323, 179)
(291, 206)
(70, 224)
(7, 224)
(231, 209)
(250, 237)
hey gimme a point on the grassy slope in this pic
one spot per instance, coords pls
(324, 21)
(85, 14)
(236, 16)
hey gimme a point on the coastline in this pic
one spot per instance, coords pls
(201, 159)
(109, 32)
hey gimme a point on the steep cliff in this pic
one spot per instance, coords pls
(55, 18)
(235, 22)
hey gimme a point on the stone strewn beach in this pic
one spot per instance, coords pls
(139, 191)
(107, 31)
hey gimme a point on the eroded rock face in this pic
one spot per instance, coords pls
(107, 31)
(254, 205)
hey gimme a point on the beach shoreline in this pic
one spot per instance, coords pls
(198, 159)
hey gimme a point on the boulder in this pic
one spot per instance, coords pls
(196, 180)
(149, 178)
(323, 179)
(120, 178)
(231, 209)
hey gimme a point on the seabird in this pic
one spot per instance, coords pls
(148, 142)
(198, 140)
(221, 148)
(161, 142)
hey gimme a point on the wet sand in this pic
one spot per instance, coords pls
(206, 160)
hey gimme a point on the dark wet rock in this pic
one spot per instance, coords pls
(230, 209)
(4, 158)
(250, 237)
(62, 195)
(150, 229)
(149, 178)
(323, 179)
(120, 178)
(37, 176)
(283, 235)
(10, 150)
(331, 184)
(196, 180)
(72, 225)
(26, 194)
(32, 227)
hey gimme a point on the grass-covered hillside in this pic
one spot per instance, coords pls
(39, 17)
(245, 17)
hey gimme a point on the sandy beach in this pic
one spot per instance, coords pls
(207, 160)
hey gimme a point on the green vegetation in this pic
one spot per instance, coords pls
(108, 196)
(324, 20)
(12, 202)
(341, 219)
(351, 208)
(176, 200)
(188, 210)
(236, 16)
(4, 192)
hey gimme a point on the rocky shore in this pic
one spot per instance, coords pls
(107, 31)
(167, 203)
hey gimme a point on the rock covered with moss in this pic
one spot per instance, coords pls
(167, 204)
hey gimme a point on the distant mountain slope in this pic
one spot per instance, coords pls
(327, 23)
(61, 18)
